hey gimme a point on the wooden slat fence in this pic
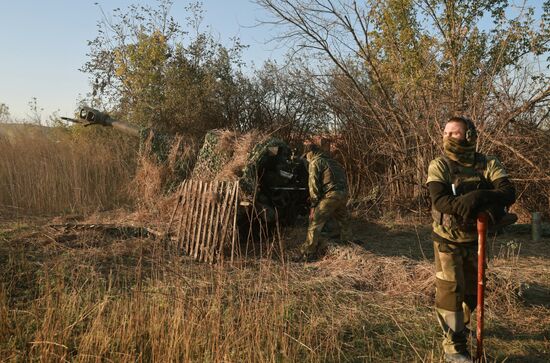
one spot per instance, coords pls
(205, 220)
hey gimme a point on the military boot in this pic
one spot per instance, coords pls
(455, 342)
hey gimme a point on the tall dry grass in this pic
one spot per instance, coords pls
(129, 300)
(52, 170)
(93, 297)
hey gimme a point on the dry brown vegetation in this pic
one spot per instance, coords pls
(392, 72)
(102, 295)
(381, 77)
(114, 294)
(51, 170)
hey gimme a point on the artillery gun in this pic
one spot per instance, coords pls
(88, 116)
(241, 187)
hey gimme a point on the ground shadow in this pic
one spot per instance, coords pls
(415, 241)
(532, 352)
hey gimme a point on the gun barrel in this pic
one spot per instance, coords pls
(124, 127)
(71, 120)
(90, 116)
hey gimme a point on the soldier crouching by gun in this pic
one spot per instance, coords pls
(462, 183)
(328, 192)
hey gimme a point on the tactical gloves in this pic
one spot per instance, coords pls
(503, 194)
(468, 205)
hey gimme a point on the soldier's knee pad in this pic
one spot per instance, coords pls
(447, 296)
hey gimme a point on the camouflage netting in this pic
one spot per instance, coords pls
(175, 152)
(215, 153)
(164, 161)
(227, 155)
(156, 143)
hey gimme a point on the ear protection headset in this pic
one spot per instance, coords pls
(471, 132)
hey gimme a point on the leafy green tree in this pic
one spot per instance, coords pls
(149, 70)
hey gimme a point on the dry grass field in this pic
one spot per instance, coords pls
(117, 295)
(54, 170)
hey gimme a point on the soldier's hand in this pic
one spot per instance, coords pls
(468, 205)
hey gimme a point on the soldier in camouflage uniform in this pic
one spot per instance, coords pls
(462, 183)
(328, 192)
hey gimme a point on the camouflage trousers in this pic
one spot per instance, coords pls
(332, 207)
(455, 292)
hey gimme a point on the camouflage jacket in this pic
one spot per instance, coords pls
(488, 169)
(326, 178)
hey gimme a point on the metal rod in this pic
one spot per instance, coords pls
(481, 238)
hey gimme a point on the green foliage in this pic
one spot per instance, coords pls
(391, 71)
(382, 75)
(145, 67)
(444, 46)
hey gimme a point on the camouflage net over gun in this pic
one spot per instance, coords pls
(227, 155)
(172, 152)
(237, 179)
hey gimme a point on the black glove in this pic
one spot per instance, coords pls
(468, 205)
(494, 212)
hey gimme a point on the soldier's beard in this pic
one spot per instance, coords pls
(461, 151)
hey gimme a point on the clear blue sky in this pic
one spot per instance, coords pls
(44, 43)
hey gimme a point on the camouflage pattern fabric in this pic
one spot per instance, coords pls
(328, 194)
(456, 294)
(456, 262)
(439, 172)
(326, 177)
(212, 159)
(160, 145)
(333, 207)
(257, 158)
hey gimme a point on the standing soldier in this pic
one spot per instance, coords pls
(328, 191)
(462, 183)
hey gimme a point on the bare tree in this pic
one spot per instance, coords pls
(392, 71)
